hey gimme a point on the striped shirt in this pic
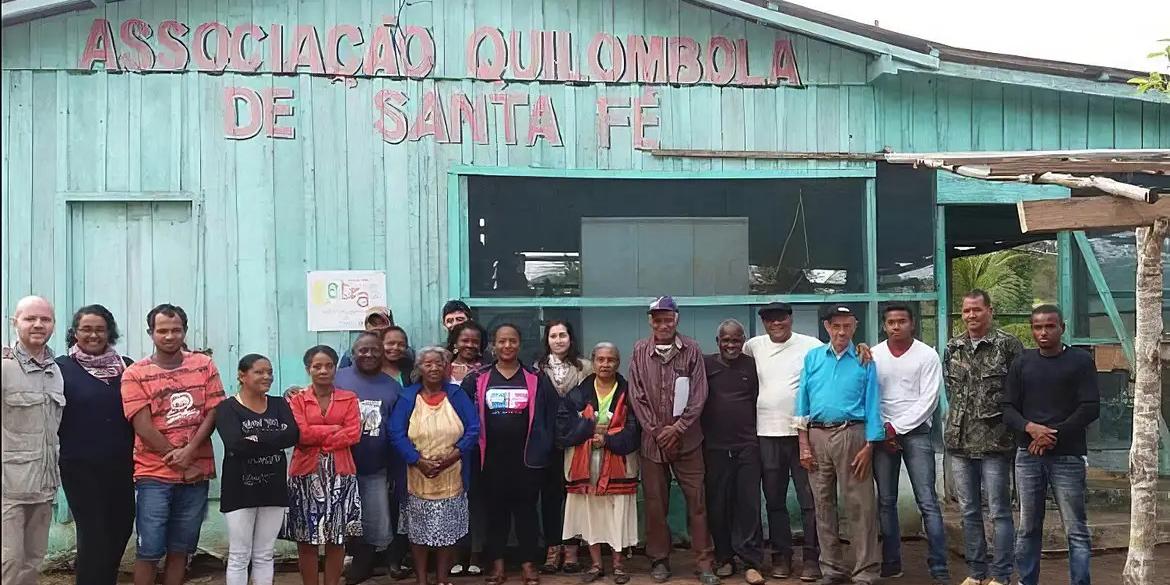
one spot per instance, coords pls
(179, 401)
(653, 379)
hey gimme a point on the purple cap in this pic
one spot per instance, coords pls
(665, 303)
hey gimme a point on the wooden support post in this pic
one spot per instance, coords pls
(1143, 453)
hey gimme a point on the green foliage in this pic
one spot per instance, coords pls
(1155, 81)
(998, 273)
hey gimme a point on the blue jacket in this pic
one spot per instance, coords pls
(400, 421)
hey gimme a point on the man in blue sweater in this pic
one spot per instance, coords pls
(378, 465)
(1051, 397)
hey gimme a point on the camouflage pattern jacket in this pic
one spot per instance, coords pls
(975, 375)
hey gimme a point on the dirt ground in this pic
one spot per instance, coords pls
(1106, 569)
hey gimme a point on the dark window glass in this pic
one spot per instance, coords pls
(905, 229)
(598, 237)
(1116, 253)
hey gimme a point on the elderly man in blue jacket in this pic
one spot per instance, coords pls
(838, 417)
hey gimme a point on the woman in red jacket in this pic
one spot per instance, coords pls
(323, 507)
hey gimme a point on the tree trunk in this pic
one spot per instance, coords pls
(1143, 453)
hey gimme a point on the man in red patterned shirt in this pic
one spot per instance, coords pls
(169, 398)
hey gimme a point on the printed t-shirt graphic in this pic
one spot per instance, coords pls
(179, 400)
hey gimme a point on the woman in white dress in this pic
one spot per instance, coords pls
(597, 428)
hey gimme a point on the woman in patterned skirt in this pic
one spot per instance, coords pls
(434, 427)
(324, 507)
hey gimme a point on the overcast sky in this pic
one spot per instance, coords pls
(1117, 33)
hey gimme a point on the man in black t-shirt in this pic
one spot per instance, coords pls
(732, 455)
(1051, 397)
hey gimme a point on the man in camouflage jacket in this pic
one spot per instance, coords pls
(978, 443)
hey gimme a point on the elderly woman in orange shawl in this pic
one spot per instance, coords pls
(597, 428)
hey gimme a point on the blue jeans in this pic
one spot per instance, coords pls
(169, 517)
(377, 528)
(973, 477)
(1066, 475)
(918, 453)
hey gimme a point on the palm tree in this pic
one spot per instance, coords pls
(1005, 276)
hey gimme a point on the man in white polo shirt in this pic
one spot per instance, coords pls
(779, 357)
(909, 377)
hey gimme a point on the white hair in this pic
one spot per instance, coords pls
(605, 345)
(730, 323)
(442, 352)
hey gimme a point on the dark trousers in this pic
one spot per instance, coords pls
(552, 500)
(688, 470)
(101, 499)
(509, 500)
(733, 504)
(780, 460)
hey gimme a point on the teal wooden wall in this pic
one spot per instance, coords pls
(337, 196)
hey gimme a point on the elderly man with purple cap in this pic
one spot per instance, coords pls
(668, 384)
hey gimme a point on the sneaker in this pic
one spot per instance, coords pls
(708, 578)
(810, 572)
(753, 577)
(891, 573)
(725, 570)
(781, 567)
(660, 572)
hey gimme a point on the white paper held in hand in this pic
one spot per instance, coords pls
(682, 393)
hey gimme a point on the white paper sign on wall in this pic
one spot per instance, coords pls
(339, 299)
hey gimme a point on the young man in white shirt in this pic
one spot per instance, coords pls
(779, 357)
(909, 379)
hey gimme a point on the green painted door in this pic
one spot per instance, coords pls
(131, 256)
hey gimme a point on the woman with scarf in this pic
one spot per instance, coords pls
(97, 445)
(518, 407)
(596, 426)
(562, 363)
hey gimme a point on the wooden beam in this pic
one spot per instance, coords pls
(1088, 213)
(762, 154)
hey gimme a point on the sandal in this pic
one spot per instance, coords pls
(530, 574)
(595, 573)
(496, 579)
(620, 576)
(552, 561)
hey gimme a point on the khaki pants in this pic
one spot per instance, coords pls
(688, 469)
(26, 539)
(834, 450)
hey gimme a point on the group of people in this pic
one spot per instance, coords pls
(446, 450)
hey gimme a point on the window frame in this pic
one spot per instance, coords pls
(458, 238)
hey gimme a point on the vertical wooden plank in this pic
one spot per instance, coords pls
(927, 108)
(294, 208)
(955, 125)
(1127, 124)
(1045, 120)
(217, 168)
(863, 132)
(17, 47)
(20, 171)
(158, 153)
(1100, 124)
(118, 132)
(44, 181)
(1165, 127)
(1150, 124)
(1017, 118)
(1074, 121)
(5, 196)
(987, 116)
(86, 147)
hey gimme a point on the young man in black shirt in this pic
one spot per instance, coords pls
(1051, 396)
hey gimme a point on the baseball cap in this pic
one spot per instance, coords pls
(838, 310)
(775, 307)
(381, 311)
(664, 303)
